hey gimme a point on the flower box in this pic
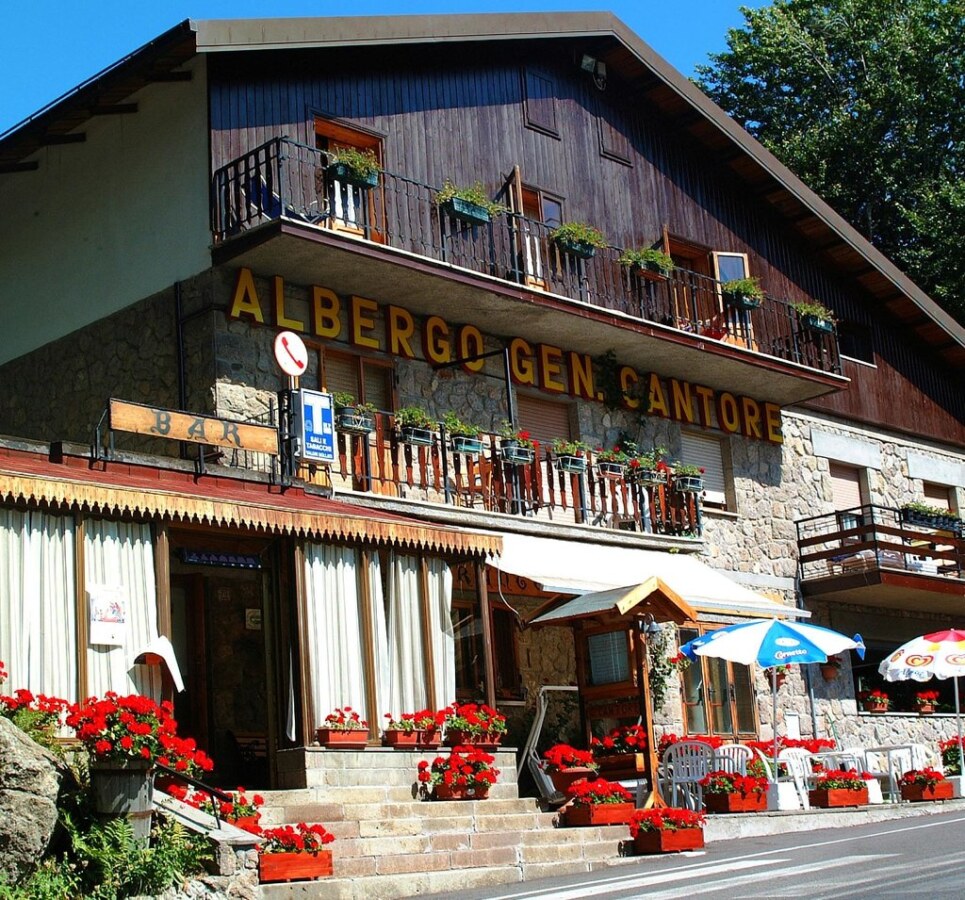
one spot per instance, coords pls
(450, 792)
(665, 841)
(688, 484)
(875, 707)
(583, 814)
(465, 211)
(341, 739)
(246, 823)
(274, 867)
(826, 799)
(564, 778)
(613, 470)
(470, 446)
(573, 465)
(926, 709)
(401, 740)
(428, 739)
(916, 793)
(641, 475)
(579, 249)
(649, 271)
(350, 420)
(816, 323)
(737, 300)
(515, 454)
(339, 171)
(622, 766)
(124, 788)
(457, 738)
(735, 803)
(420, 437)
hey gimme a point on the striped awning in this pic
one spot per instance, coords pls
(177, 495)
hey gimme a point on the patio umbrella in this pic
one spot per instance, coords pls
(770, 643)
(937, 655)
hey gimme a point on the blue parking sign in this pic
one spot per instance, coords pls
(315, 427)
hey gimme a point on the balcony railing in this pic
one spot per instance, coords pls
(285, 179)
(494, 481)
(872, 538)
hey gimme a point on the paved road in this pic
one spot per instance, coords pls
(918, 857)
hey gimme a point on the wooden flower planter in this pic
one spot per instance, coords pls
(669, 841)
(735, 803)
(583, 814)
(621, 766)
(450, 792)
(563, 779)
(917, 793)
(487, 742)
(274, 867)
(827, 799)
(336, 739)
(401, 740)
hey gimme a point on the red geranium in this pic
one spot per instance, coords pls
(346, 719)
(464, 767)
(733, 783)
(475, 718)
(591, 793)
(665, 818)
(563, 756)
(300, 838)
(625, 739)
(925, 777)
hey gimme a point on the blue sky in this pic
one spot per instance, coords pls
(50, 46)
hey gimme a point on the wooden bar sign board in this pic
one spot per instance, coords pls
(180, 426)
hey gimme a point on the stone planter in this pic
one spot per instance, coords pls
(917, 793)
(124, 788)
(563, 779)
(735, 803)
(826, 799)
(337, 739)
(622, 766)
(449, 792)
(273, 867)
(584, 814)
(487, 742)
(669, 841)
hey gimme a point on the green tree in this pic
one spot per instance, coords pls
(865, 101)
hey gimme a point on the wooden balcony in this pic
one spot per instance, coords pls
(870, 556)
(383, 463)
(278, 211)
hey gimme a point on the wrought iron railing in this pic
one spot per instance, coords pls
(868, 538)
(285, 179)
(497, 480)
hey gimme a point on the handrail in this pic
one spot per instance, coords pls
(208, 789)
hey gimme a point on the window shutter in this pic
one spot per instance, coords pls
(609, 657)
(544, 419)
(936, 495)
(341, 374)
(845, 486)
(706, 452)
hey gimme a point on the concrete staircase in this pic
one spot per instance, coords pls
(389, 843)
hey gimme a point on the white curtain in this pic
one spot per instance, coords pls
(337, 644)
(443, 638)
(38, 621)
(120, 555)
(407, 653)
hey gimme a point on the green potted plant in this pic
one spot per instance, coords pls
(743, 293)
(415, 425)
(649, 466)
(465, 436)
(516, 446)
(648, 262)
(814, 316)
(926, 701)
(578, 239)
(687, 478)
(468, 204)
(351, 416)
(570, 456)
(354, 166)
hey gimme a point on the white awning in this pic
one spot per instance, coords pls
(572, 567)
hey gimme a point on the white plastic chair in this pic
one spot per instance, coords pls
(798, 763)
(732, 758)
(684, 765)
(795, 780)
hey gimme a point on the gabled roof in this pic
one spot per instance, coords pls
(605, 37)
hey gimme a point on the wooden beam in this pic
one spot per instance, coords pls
(113, 109)
(304, 667)
(51, 140)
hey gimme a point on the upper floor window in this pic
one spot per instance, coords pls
(347, 206)
(368, 380)
(854, 341)
(539, 100)
(730, 266)
(545, 420)
(708, 453)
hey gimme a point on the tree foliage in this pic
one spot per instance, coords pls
(865, 101)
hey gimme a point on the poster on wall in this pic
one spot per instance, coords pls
(108, 615)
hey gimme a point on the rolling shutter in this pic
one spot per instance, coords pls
(545, 420)
(706, 452)
(845, 486)
(937, 495)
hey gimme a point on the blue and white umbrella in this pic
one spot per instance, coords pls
(771, 643)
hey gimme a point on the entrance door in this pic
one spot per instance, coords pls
(218, 618)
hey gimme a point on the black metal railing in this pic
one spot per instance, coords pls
(869, 538)
(285, 179)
